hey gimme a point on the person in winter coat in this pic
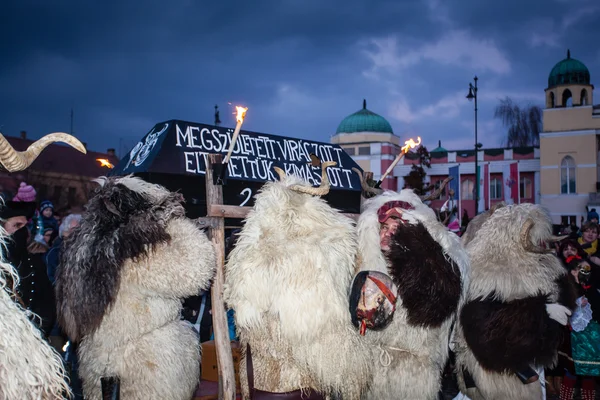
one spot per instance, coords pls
(34, 290)
(44, 220)
(585, 331)
(567, 249)
(589, 238)
(52, 257)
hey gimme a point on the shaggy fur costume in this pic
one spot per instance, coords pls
(123, 274)
(29, 367)
(431, 270)
(504, 326)
(287, 280)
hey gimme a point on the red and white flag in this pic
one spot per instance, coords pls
(484, 187)
(510, 176)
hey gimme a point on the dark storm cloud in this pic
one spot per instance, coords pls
(301, 66)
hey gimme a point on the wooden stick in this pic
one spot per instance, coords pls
(390, 168)
(236, 132)
(214, 196)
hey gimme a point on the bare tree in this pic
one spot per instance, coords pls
(524, 123)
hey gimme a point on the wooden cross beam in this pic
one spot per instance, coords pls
(216, 231)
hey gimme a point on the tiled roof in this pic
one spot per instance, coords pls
(61, 158)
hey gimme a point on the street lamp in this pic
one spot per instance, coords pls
(473, 95)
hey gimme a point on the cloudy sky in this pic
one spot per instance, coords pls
(300, 66)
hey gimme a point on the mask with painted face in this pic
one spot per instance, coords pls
(372, 300)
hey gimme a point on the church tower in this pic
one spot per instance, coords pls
(569, 144)
(569, 84)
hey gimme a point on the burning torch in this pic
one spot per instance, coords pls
(409, 144)
(240, 115)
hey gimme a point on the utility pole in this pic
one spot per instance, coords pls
(473, 95)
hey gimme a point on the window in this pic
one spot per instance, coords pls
(466, 190)
(364, 151)
(525, 188)
(350, 150)
(496, 189)
(567, 98)
(568, 220)
(42, 191)
(583, 100)
(552, 102)
(57, 193)
(567, 176)
(72, 196)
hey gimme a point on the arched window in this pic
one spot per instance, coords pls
(567, 98)
(525, 188)
(552, 103)
(583, 101)
(568, 176)
(466, 190)
(496, 189)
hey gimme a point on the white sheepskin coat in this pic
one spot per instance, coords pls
(142, 339)
(29, 368)
(500, 265)
(288, 280)
(407, 360)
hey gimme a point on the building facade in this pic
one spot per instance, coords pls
(493, 163)
(569, 144)
(370, 141)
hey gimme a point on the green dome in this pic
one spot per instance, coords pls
(439, 149)
(364, 121)
(569, 71)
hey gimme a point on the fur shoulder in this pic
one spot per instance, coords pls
(509, 336)
(501, 263)
(125, 219)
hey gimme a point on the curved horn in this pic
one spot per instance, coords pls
(436, 193)
(15, 161)
(365, 186)
(323, 189)
(526, 241)
(554, 238)
(280, 172)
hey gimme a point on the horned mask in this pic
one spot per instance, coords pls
(14, 161)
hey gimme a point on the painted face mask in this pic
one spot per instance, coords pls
(372, 300)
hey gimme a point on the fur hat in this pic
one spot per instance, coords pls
(25, 193)
(46, 204)
(17, 209)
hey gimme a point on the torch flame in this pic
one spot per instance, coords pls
(104, 163)
(241, 113)
(410, 144)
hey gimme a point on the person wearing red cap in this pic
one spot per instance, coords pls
(389, 217)
(401, 236)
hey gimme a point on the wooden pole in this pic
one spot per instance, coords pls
(214, 197)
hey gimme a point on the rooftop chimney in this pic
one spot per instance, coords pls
(23, 135)
(110, 152)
